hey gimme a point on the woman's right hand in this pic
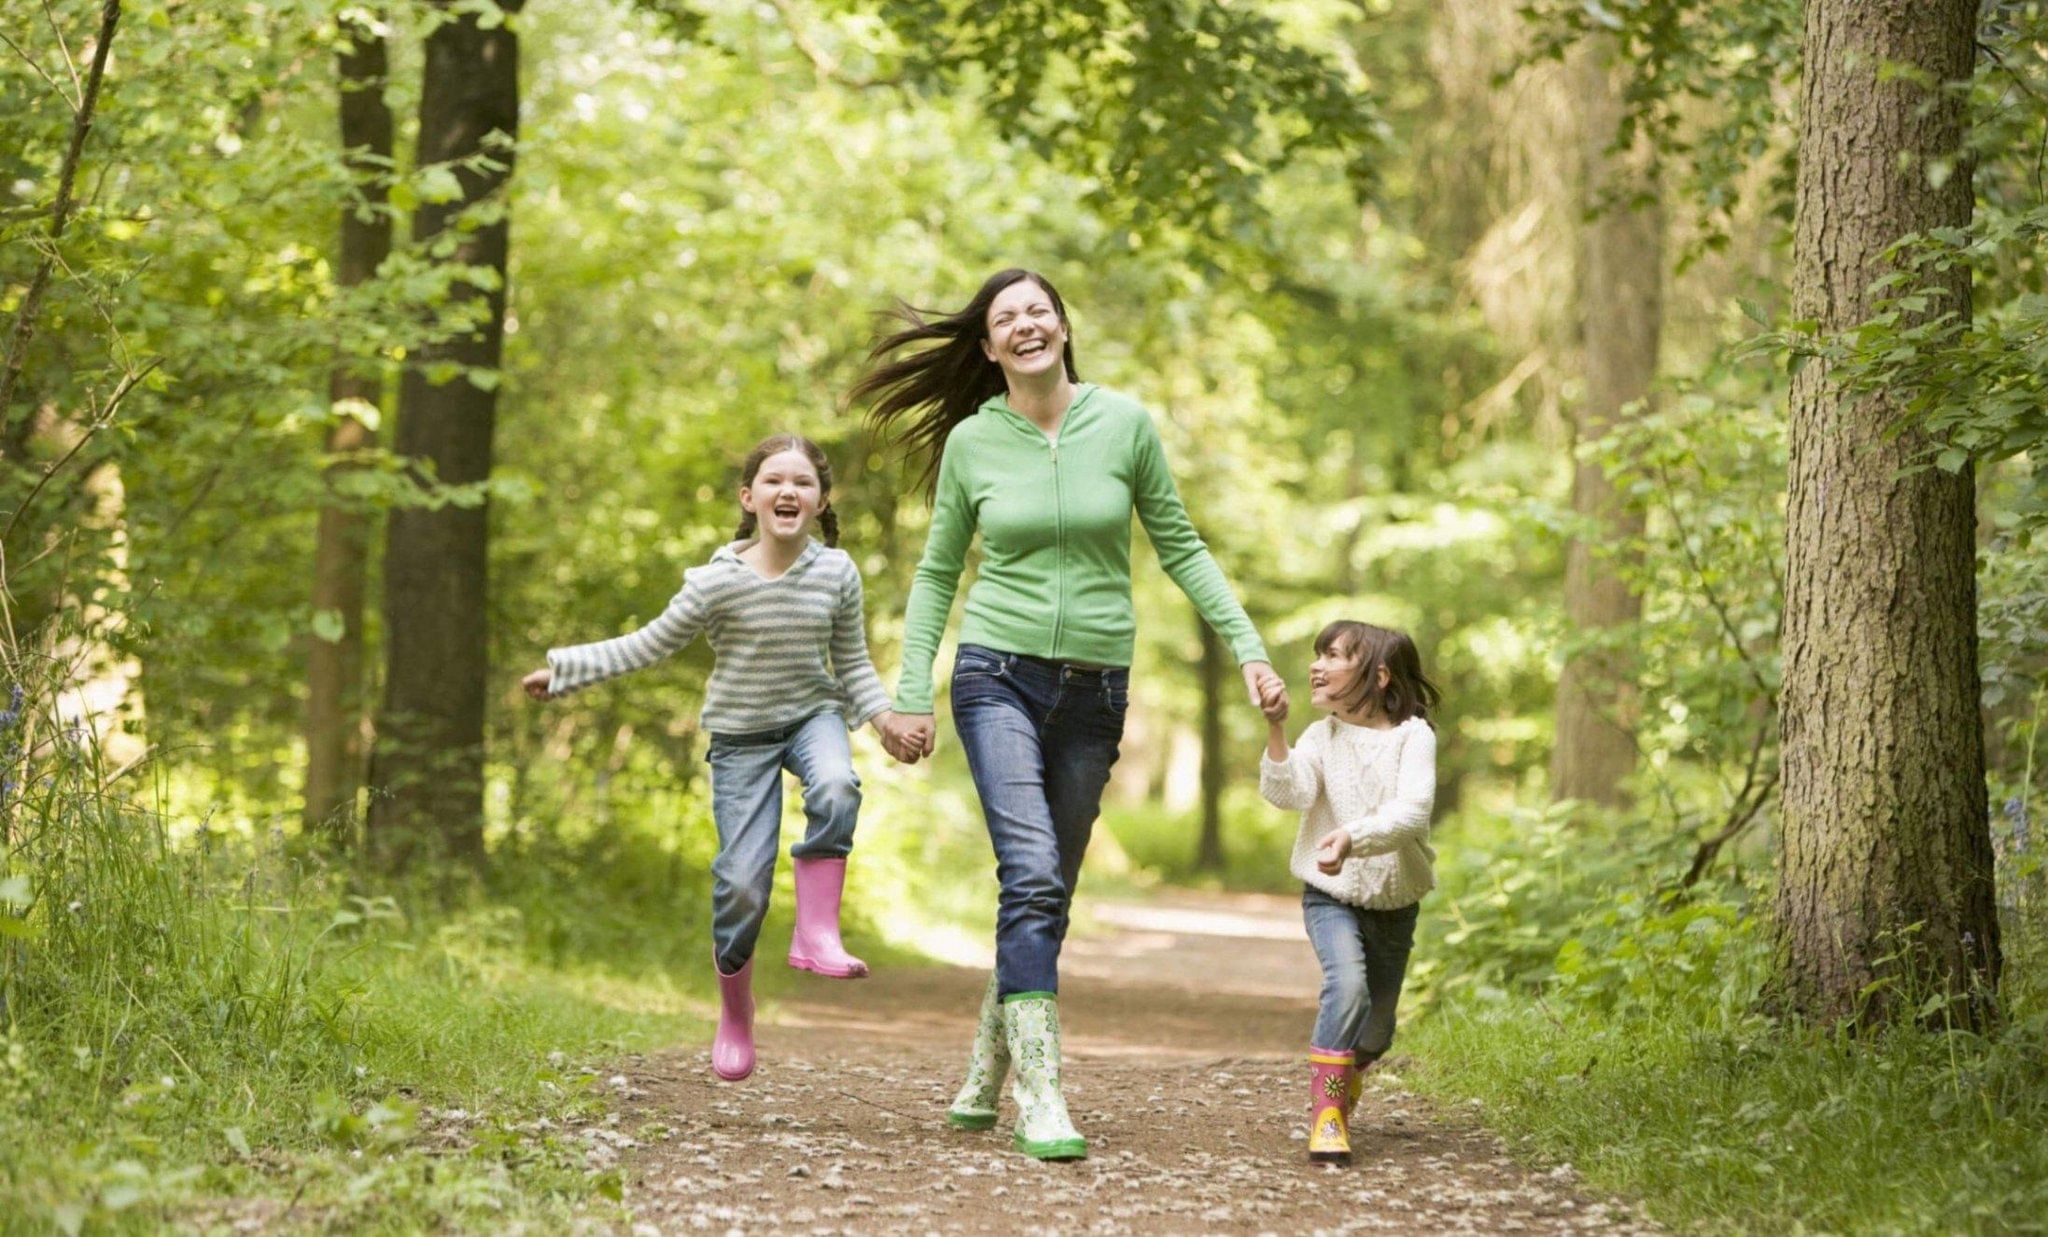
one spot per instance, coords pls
(917, 733)
(536, 684)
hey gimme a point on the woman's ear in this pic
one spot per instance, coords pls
(1386, 676)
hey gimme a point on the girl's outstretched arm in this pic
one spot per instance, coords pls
(1405, 817)
(1294, 779)
(579, 665)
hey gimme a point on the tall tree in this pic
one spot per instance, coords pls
(427, 775)
(334, 664)
(1885, 861)
(1621, 310)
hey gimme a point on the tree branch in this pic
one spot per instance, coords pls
(99, 423)
(822, 62)
(60, 213)
(1720, 608)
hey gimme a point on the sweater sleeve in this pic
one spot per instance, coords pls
(865, 695)
(580, 665)
(1295, 782)
(933, 587)
(1182, 553)
(1404, 818)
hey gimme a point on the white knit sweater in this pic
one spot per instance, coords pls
(1376, 785)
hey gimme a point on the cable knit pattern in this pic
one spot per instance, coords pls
(1378, 786)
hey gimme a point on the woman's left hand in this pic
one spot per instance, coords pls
(1268, 690)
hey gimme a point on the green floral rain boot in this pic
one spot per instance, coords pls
(1031, 1023)
(987, 1063)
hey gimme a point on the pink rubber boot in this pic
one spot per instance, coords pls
(1329, 1124)
(816, 945)
(732, 1049)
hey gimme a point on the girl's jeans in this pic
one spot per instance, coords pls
(1040, 738)
(746, 804)
(1364, 955)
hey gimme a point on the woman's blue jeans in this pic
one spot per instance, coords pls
(1365, 956)
(1040, 737)
(746, 805)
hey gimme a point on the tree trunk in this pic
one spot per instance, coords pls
(1215, 670)
(1885, 864)
(427, 799)
(334, 668)
(1621, 305)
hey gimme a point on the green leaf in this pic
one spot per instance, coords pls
(438, 184)
(328, 625)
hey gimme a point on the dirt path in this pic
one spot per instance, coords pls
(1184, 1029)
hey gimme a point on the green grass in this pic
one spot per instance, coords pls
(1160, 846)
(298, 1067)
(1764, 1131)
(1620, 1031)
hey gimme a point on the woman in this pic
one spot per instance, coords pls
(1048, 469)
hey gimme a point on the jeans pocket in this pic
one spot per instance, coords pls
(973, 662)
(1117, 693)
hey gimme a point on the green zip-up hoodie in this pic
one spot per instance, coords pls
(1055, 523)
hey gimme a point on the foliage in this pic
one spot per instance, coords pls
(205, 1018)
(1173, 111)
(1709, 83)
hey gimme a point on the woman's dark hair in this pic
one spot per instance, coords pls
(921, 395)
(776, 444)
(1407, 693)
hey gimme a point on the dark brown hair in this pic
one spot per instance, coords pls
(776, 444)
(1407, 693)
(920, 396)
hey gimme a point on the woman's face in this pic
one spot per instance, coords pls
(784, 496)
(1025, 334)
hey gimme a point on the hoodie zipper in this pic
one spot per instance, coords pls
(1059, 511)
(1059, 540)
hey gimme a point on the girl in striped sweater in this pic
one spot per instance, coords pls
(783, 615)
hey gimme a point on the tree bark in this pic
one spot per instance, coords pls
(1621, 306)
(334, 668)
(1885, 862)
(1215, 669)
(427, 797)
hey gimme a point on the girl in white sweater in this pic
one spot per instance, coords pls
(1364, 780)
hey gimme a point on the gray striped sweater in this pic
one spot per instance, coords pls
(770, 640)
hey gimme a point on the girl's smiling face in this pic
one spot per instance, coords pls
(785, 495)
(1024, 332)
(1333, 676)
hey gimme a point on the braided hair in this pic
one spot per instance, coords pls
(776, 444)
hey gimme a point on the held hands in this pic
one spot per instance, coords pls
(908, 737)
(1267, 689)
(1332, 851)
(536, 684)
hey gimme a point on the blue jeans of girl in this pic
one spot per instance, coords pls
(1365, 956)
(746, 805)
(1040, 737)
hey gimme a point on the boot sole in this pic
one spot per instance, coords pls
(829, 972)
(1052, 1149)
(1329, 1157)
(970, 1120)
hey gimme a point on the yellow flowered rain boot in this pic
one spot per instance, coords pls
(1329, 1132)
